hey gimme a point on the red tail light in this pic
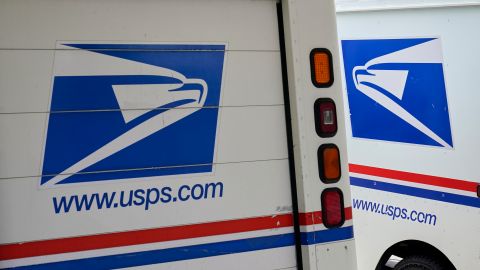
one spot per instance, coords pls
(333, 214)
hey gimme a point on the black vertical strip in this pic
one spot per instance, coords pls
(288, 118)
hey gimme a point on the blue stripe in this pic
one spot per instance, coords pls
(328, 235)
(417, 192)
(171, 254)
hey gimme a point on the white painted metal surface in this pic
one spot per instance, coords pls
(305, 30)
(250, 160)
(370, 5)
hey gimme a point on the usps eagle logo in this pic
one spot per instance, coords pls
(123, 111)
(396, 90)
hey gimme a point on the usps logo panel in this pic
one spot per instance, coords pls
(123, 111)
(396, 90)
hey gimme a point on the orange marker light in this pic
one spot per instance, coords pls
(321, 67)
(329, 163)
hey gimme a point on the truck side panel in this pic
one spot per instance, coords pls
(418, 190)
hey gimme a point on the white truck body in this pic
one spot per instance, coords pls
(164, 135)
(410, 71)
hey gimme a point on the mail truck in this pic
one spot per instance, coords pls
(174, 134)
(410, 74)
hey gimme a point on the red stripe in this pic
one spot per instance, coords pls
(120, 239)
(316, 217)
(348, 213)
(416, 178)
(310, 218)
(82, 243)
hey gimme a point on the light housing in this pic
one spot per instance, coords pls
(321, 67)
(333, 214)
(329, 163)
(325, 117)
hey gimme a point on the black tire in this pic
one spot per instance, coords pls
(419, 263)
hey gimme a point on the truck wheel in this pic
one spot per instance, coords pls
(418, 263)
